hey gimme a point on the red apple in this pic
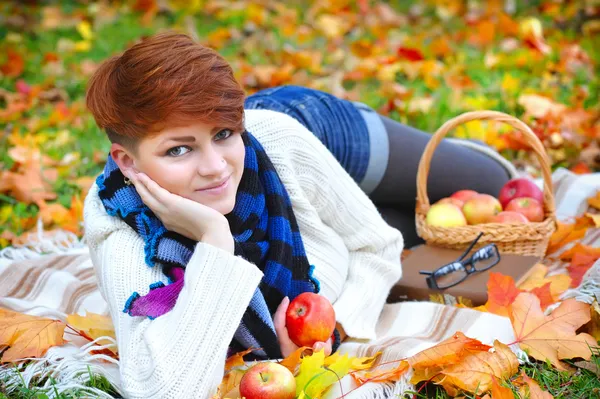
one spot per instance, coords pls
(481, 208)
(268, 380)
(530, 207)
(464, 195)
(509, 217)
(453, 201)
(519, 188)
(310, 318)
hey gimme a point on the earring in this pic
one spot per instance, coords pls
(127, 181)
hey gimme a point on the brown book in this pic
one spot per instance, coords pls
(413, 285)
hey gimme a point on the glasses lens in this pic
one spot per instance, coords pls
(485, 257)
(450, 275)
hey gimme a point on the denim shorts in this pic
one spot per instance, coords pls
(352, 131)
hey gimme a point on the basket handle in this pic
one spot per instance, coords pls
(535, 143)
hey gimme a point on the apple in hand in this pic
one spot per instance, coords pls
(268, 380)
(310, 318)
(464, 195)
(531, 208)
(519, 188)
(481, 208)
(509, 217)
(445, 215)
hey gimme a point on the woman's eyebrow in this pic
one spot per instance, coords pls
(182, 138)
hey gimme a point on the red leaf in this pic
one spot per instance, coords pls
(580, 264)
(411, 54)
(502, 291)
(544, 294)
(14, 64)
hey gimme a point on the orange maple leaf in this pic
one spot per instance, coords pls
(580, 249)
(553, 337)
(530, 389)
(431, 361)
(449, 351)
(293, 359)
(568, 232)
(28, 336)
(500, 392)
(477, 371)
(387, 375)
(237, 359)
(94, 326)
(502, 291)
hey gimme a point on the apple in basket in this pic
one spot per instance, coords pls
(268, 380)
(519, 188)
(531, 208)
(481, 208)
(445, 214)
(310, 318)
(509, 217)
(464, 195)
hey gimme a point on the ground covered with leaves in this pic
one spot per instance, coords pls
(420, 62)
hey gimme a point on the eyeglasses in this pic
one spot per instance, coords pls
(456, 272)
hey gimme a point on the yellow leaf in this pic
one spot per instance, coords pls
(553, 337)
(28, 336)
(314, 379)
(510, 84)
(595, 201)
(85, 30)
(559, 283)
(83, 46)
(95, 326)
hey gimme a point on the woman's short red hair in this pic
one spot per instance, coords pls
(165, 80)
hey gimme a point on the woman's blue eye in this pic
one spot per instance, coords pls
(176, 151)
(223, 134)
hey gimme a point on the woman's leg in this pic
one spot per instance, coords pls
(453, 167)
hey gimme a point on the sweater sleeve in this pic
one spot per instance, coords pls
(374, 246)
(180, 354)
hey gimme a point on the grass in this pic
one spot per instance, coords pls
(33, 391)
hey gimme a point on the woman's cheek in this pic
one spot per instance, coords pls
(174, 177)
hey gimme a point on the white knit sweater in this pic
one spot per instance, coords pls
(182, 353)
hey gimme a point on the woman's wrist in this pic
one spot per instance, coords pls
(220, 237)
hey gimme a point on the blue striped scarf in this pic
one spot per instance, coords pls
(265, 233)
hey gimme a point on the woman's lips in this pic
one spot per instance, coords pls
(217, 190)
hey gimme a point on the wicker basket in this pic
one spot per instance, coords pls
(523, 239)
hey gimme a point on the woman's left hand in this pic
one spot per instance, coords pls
(285, 343)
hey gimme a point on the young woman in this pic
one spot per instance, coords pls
(214, 211)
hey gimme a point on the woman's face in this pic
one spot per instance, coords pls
(201, 162)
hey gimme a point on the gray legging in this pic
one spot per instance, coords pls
(453, 167)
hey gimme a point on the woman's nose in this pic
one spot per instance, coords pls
(212, 163)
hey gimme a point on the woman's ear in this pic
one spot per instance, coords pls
(123, 157)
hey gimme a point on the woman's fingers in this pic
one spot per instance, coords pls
(159, 193)
(279, 317)
(144, 193)
(323, 346)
